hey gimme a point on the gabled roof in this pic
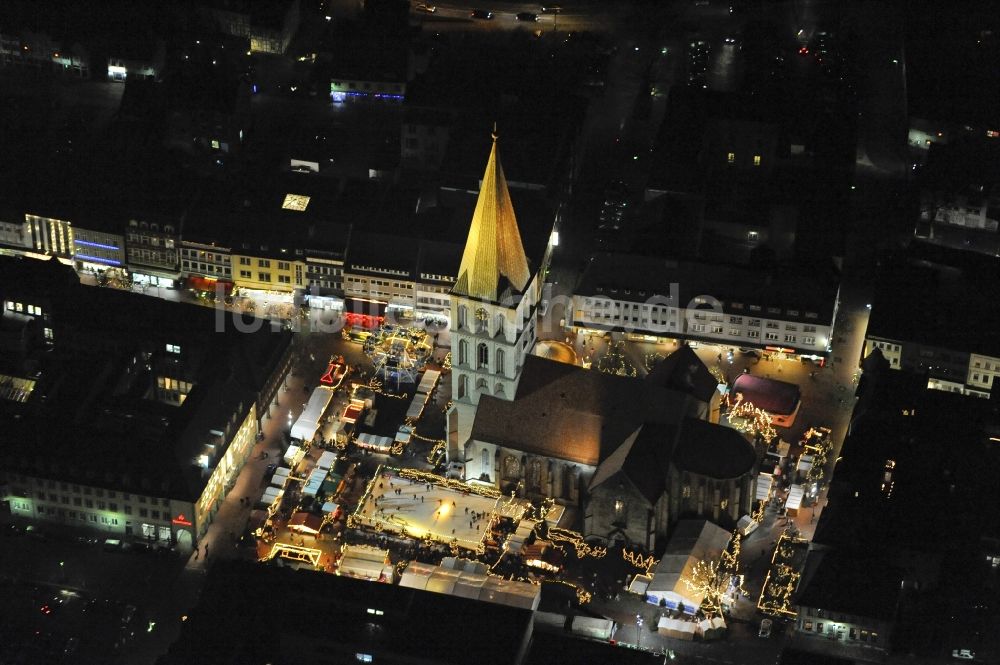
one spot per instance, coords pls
(684, 371)
(571, 413)
(695, 445)
(493, 251)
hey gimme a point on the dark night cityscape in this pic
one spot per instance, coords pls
(489, 332)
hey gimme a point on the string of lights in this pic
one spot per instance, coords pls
(644, 563)
(748, 419)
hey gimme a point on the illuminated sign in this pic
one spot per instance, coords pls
(180, 520)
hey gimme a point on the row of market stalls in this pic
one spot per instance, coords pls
(470, 579)
(308, 423)
(367, 563)
(681, 629)
(420, 398)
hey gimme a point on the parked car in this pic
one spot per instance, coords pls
(963, 654)
(428, 9)
(112, 545)
(526, 16)
(482, 14)
(765, 628)
(551, 9)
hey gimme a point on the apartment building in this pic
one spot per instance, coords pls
(138, 421)
(788, 312)
(942, 338)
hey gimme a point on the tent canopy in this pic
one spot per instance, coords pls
(305, 427)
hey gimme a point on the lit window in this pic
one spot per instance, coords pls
(377, 613)
(731, 157)
(173, 348)
(364, 657)
(756, 160)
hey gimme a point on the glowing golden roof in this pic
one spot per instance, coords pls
(493, 249)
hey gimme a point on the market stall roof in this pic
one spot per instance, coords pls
(326, 460)
(795, 495)
(416, 407)
(764, 482)
(639, 584)
(314, 482)
(416, 575)
(291, 454)
(428, 381)
(380, 443)
(305, 522)
(308, 422)
(682, 630)
(776, 397)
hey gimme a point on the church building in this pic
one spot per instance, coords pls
(630, 456)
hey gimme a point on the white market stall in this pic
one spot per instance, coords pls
(803, 467)
(380, 444)
(677, 629)
(416, 407)
(468, 579)
(293, 455)
(428, 381)
(366, 562)
(764, 483)
(794, 502)
(305, 427)
(326, 460)
(314, 482)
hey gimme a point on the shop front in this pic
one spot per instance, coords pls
(209, 284)
(362, 313)
(150, 278)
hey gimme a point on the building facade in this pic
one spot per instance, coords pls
(697, 302)
(153, 253)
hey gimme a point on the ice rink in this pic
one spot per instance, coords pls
(421, 510)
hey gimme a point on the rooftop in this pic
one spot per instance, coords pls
(849, 582)
(793, 291)
(99, 414)
(567, 412)
(776, 397)
(290, 616)
(948, 284)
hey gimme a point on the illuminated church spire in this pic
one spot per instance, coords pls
(493, 249)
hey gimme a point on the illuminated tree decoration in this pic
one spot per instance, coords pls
(717, 580)
(782, 579)
(652, 360)
(643, 563)
(614, 362)
(747, 418)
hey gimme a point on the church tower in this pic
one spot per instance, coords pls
(492, 308)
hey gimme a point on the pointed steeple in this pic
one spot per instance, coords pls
(493, 250)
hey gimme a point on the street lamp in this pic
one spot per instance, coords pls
(638, 630)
